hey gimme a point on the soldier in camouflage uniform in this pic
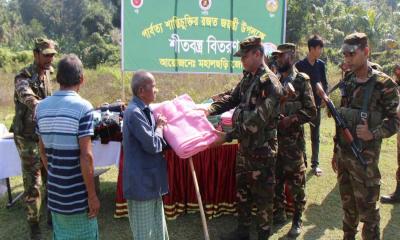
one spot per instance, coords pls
(32, 84)
(256, 99)
(395, 196)
(297, 108)
(368, 105)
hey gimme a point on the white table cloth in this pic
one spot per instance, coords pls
(10, 163)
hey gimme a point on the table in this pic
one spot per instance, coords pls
(215, 170)
(10, 163)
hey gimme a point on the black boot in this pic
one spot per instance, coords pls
(264, 234)
(279, 217)
(394, 197)
(240, 233)
(35, 233)
(297, 226)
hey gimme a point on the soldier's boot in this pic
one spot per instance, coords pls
(49, 219)
(349, 236)
(35, 233)
(264, 234)
(297, 226)
(394, 197)
(279, 217)
(240, 233)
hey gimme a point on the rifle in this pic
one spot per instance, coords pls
(342, 124)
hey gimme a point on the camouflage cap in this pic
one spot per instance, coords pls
(45, 46)
(286, 47)
(248, 44)
(354, 41)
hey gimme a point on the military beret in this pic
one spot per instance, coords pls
(247, 44)
(354, 41)
(286, 47)
(45, 46)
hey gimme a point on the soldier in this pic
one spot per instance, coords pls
(368, 105)
(297, 109)
(32, 84)
(256, 99)
(395, 196)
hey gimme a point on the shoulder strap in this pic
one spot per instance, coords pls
(367, 97)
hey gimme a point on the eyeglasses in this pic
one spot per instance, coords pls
(49, 55)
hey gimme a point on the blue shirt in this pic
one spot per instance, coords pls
(145, 169)
(317, 73)
(61, 120)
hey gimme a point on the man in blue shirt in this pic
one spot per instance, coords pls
(145, 170)
(315, 69)
(65, 126)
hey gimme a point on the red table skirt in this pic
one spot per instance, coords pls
(215, 170)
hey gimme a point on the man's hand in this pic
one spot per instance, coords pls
(94, 206)
(161, 121)
(220, 140)
(363, 132)
(287, 121)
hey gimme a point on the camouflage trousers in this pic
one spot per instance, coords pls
(398, 158)
(32, 170)
(296, 184)
(359, 190)
(255, 182)
(290, 169)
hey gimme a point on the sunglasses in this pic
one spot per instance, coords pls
(49, 55)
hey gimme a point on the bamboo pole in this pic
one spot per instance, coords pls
(202, 214)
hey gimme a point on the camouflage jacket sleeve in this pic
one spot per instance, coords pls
(227, 102)
(308, 110)
(389, 101)
(23, 90)
(266, 110)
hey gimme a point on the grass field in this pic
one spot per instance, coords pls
(322, 217)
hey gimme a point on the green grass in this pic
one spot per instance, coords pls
(322, 217)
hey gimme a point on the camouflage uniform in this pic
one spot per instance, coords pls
(359, 187)
(290, 165)
(395, 196)
(29, 89)
(256, 99)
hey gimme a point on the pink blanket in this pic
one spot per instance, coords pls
(226, 118)
(187, 131)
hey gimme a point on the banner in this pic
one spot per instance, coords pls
(195, 35)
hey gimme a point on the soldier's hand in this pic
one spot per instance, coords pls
(287, 121)
(328, 113)
(205, 110)
(334, 163)
(220, 140)
(323, 104)
(94, 206)
(363, 132)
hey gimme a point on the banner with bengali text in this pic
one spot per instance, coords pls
(195, 35)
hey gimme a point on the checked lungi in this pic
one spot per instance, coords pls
(74, 226)
(147, 219)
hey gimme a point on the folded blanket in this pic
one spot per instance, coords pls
(187, 131)
(226, 118)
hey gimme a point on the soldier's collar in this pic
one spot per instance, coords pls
(260, 71)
